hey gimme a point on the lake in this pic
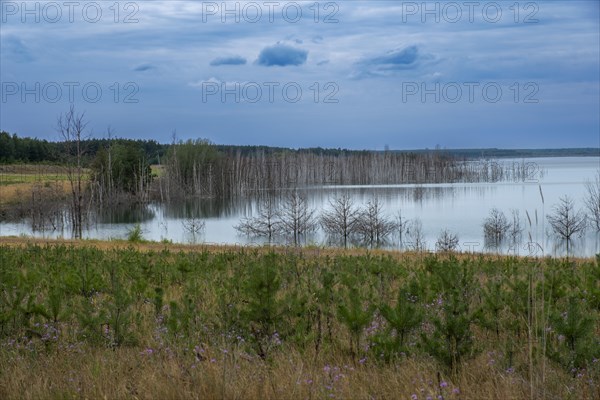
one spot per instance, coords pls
(459, 207)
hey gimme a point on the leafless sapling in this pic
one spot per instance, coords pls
(566, 222)
(342, 219)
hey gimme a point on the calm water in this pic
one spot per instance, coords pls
(458, 207)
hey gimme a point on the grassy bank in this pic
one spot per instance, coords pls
(116, 320)
(19, 182)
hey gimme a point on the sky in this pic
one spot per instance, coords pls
(349, 74)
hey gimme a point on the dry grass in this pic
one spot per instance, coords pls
(19, 181)
(16, 192)
(137, 373)
(310, 252)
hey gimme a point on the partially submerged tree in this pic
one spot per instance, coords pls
(401, 224)
(415, 235)
(373, 225)
(515, 230)
(592, 201)
(71, 127)
(342, 219)
(297, 218)
(447, 241)
(495, 227)
(266, 223)
(193, 226)
(566, 222)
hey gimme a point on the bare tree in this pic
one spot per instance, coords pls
(110, 184)
(342, 219)
(447, 241)
(592, 201)
(71, 127)
(495, 227)
(566, 222)
(193, 226)
(373, 225)
(296, 217)
(267, 222)
(401, 225)
(416, 237)
(515, 230)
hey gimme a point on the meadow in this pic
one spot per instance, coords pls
(129, 320)
(22, 181)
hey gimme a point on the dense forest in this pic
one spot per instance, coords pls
(32, 150)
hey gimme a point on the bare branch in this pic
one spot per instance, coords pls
(592, 201)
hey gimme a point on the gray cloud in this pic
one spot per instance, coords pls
(229, 60)
(407, 58)
(281, 55)
(144, 67)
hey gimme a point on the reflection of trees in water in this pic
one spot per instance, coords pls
(316, 196)
(125, 215)
(204, 208)
(408, 193)
(567, 248)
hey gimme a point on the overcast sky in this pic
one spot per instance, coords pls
(353, 74)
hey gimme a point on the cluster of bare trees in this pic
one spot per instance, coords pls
(493, 171)
(497, 228)
(195, 168)
(344, 222)
(566, 222)
(293, 218)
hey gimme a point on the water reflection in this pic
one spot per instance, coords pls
(125, 215)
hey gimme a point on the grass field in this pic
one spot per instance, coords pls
(120, 320)
(19, 181)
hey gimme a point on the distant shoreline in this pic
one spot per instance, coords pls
(513, 153)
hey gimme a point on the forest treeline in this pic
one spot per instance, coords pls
(15, 149)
